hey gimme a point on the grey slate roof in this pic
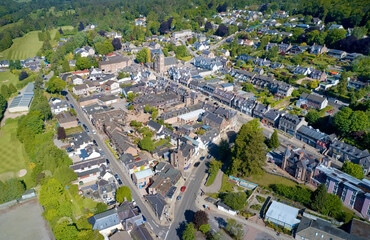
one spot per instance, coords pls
(157, 202)
(312, 133)
(154, 125)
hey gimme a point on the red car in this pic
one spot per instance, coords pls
(183, 189)
(330, 111)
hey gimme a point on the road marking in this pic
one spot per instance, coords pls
(150, 225)
(155, 223)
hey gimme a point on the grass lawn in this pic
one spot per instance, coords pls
(268, 179)
(26, 46)
(185, 58)
(226, 186)
(7, 78)
(13, 155)
(74, 130)
(211, 178)
(160, 142)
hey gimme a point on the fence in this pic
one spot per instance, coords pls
(243, 183)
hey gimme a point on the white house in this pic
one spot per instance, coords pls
(57, 106)
(88, 171)
(80, 89)
(84, 51)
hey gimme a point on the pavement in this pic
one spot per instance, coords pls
(216, 185)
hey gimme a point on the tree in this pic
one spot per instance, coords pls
(83, 63)
(154, 114)
(61, 133)
(5, 91)
(346, 121)
(123, 193)
(81, 27)
(142, 56)
(205, 228)
(51, 192)
(235, 200)
(334, 36)
(249, 150)
(17, 64)
(353, 169)
(116, 42)
(147, 144)
(12, 189)
(200, 218)
(359, 32)
(274, 140)
(3, 104)
(60, 31)
(12, 88)
(146, 108)
(104, 48)
(296, 59)
(65, 66)
(319, 197)
(23, 75)
(222, 30)
(224, 150)
(208, 26)
(248, 87)
(189, 232)
(222, 8)
(333, 206)
(181, 51)
(236, 230)
(65, 175)
(55, 85)
(312, 117)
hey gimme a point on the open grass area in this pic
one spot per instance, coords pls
(7, 78)
(12, 153)
(160, 142)
(226, 185)
(211, 178)
(26, 46)
(23, 47)
(74, 130)
(268, 179)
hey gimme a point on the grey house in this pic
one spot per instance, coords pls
(313, 137)
(290, 123)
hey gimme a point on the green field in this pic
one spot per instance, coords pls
(268, 179)
(8, 78)
(13, 156)
(22, 48)
(26, 46)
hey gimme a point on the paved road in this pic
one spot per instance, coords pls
(117, 167)
(187, 205)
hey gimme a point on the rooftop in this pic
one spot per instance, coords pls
(144, 173)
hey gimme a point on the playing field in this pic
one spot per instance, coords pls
(22, 48)
(8, 78)
(26, 46)
(13, 157)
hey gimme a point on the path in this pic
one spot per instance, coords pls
(216, 185)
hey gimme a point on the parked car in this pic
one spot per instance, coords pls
(209, 156)
(119, 181)
(196, 164)
(178, 198)
(67, 98)
(107, 161)
(183, 188)
(202, 158)
(71, 105)
(95, 143)
(93, 131)
(116, 177)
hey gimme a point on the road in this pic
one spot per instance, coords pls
(187, 206)
(117, 167)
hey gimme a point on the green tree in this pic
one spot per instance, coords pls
(359, 32)
(3, 104)
(236, 230)
(205, 228)
(142, 56)
(181, 51)
(319, 198)
(274, 140)
(154, 114)
(12, 88)
(312, 117)
(65, 66)
(346, 121)
(55, 85)
(249, 150)
(189, 232)
(5, 91)
(104, 48)
(83, 63)
(235, 200)
(146, 108)
(51, 193)
(333, 206)
(334, 36)
(65, 175)
(355, 170)
(224, 151)
(248, 87)
(123, 193)
(147, 144)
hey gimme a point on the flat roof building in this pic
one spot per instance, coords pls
(282, 215)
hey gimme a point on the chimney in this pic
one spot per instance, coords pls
(301, 155)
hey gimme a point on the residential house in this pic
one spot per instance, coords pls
(154, 126)
(158, 204)
(354, 193)
(84, 51)
(316, 21)
(313, 137)
(258, 70)
(284, 90)
(108, 100)
(77, 80)
(124, 217)
(335, 26)
(228, 87)
(318, 75)
(4, 64)
(142, 178)
(336, 53)
(262, 62)
(93, 86)
(133, 165)
(120, 143)
(112, 87)
(67, 120)
(80, 90)
(200, 46)
(302, 71)
(57, 106)
(166, 176)
(182, 34)
(89, 170)
(318, 49)
(182, 156)
(208, 54)
(140, 232)
(356, 84)
(214, 121)
(222, 96)
(320, 229)
(260, 110)
(113, 34)
(271, 117)
(210, 136)
(106, 121)
(114, 64)
(290, 124)
(346, 152)
(212, 64)
(312, 101)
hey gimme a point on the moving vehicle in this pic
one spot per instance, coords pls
(183, 188)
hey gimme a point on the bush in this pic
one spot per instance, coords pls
(23, 75)
(297, 193)
(256, 207)
(260, 199)
(236, 201)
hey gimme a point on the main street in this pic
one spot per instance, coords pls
(116, 167)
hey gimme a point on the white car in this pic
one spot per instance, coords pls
(93, 131)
